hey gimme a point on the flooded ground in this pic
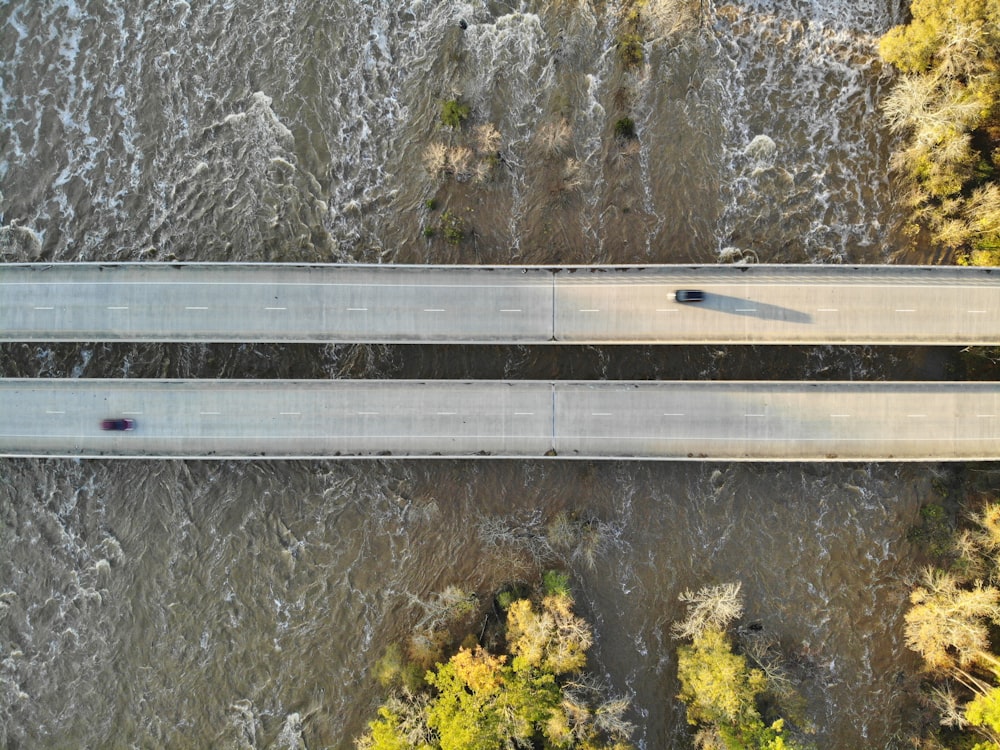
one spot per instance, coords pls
(241, 605)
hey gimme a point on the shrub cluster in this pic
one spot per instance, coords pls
(947, 102)
(954, 615)
(532, 695)
(454, 113)
(723, 693)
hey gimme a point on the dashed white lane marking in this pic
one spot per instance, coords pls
(977, 312)
(447, 413)
(524, 413)
(210, 413)
(827, 309)
(195, 308)
(753, 415)
(906, 309)
(746, 309)
(275, 308)
(357, 309)
(132, 413)
(666, 309)
(53, 411)
(673, 414)
(917, 416)
(840, 416)
(118, 307)
(589, 309)
(511, 309)
(600, 414)
(289, 413)
(986, 416)
(434, 309)
(367, 413)
(45, 308)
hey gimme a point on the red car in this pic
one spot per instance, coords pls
(118, 425)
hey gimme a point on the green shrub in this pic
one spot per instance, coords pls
(625, 129)
(505, 599)
(555, 583)
(934, 533)
(453, 227)
(454, 113)
(511, 594)
(630, 51)
(394, 670)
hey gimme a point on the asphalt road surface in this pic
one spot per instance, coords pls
(525, 419)
(524, 305)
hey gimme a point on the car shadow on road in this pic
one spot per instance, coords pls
(752, 308)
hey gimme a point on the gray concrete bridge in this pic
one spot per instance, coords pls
(779, 421)
(760, 304)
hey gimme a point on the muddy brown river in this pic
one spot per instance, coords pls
(242, 605)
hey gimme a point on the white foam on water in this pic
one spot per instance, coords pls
(54, 114)
(868, 16)
(589, 126)
(822, 190)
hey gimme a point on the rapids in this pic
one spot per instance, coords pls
(242, 605)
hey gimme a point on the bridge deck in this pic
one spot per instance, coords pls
(778, 421)
(522, 305)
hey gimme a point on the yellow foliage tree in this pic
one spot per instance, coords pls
(716, 684)
(477, 700)
(552, 639)
(949, 624)
(942, 32)
(948, 103)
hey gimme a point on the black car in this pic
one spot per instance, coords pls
(118, 425)
(689, 295)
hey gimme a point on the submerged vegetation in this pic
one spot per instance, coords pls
(625, 129)
(453, 227)
(529, 546)
(952, 624)
(454, 113)
(727, 699)
(533, 692)
(947, 102)
(629, 40)
(474, 159)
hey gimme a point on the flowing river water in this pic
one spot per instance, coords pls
(242, 605)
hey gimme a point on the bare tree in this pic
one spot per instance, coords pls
(949, 625)
(710, 606)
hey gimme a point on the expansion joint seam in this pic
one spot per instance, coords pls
(553, 430)
(553, 338)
